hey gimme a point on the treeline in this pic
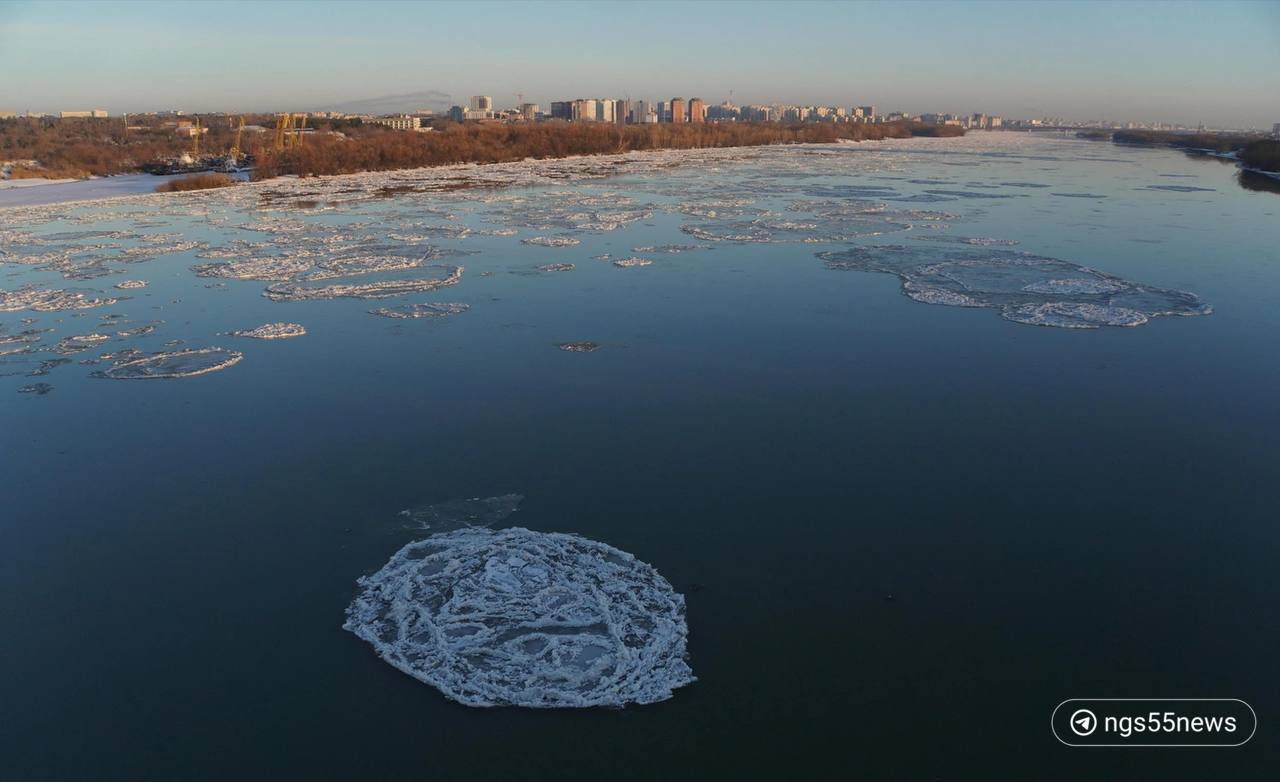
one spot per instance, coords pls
(1263, 154)
(453, 143)
(1214, 142)
(85, 147)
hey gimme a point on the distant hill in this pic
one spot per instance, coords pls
(391, 104)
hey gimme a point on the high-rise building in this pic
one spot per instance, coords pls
(697, 110)
(868, 113)
(620, 111)
(583, 110)
(481, 103)
(643, 113)
(529, 111)
(678, 112)
(562, 109)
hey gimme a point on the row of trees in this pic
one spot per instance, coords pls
(1217, 142)
(83, 147)
(452, 143)
(1252, 150)
(1263, 154)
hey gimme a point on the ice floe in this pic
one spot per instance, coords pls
(1025, 288)
(416, 311)
(521, 618)
(584, 346)
(272, 331)
(174, 364)
(384, 289)
(33, 297)
(552, 241)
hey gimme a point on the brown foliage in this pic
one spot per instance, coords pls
(195, 182)
(82, 147)
(379, 149)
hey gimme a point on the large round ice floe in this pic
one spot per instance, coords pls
(1025, 288)
(521, 618)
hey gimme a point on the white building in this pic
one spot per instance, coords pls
(402, 122)
(481, 103)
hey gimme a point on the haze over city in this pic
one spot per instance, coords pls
(1162, 62)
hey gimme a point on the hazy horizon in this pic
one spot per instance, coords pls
(1165, 62)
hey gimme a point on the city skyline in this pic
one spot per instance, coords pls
(1155, 59)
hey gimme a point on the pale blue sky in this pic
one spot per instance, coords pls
(1217, 62)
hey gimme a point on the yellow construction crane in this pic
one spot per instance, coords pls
(195, 140)
(283, 123)
(234, 155)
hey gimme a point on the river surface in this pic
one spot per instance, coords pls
(905, 531)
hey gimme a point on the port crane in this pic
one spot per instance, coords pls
(286, 133)
(234, 154)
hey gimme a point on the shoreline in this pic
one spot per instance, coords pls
(583, 165)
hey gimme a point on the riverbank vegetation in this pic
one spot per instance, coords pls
(195, 182)
(1263, 154)
(82, 147)
(473, 143)
(1220, 143)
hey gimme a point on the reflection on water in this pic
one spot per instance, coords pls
(1253, 180)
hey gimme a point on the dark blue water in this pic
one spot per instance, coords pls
(1056, 514)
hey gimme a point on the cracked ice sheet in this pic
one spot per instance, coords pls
(522, 618)
(1025, 288)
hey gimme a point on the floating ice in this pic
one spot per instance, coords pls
(1025, 288)
(32, 297)
(272, 331)
(670, 249)
(1077, 286)
(271, 268)
(579, 347)
(448, 275)
(626, 263)
(521, 618)
(556, 267)
(129, 285)
(415, 311)
(552, 241)
(79, 344)
(975, 241)
(39, 389)
(179, 363)
(1073, 315)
